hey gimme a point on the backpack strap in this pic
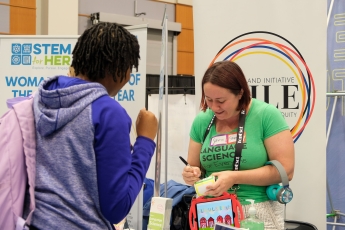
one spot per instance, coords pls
(25, 115)
(13, 101)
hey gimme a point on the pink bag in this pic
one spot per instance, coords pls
(17, 163)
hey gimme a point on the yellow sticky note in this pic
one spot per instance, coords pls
(200, 186)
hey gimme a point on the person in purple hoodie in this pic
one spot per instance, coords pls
(87, 173)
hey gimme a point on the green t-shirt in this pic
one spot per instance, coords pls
(217, 153)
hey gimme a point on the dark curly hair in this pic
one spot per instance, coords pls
(105, 48)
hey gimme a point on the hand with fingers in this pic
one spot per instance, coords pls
(224, 181)
(146, 124)
(191, 174)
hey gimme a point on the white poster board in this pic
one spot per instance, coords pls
(135, 90)
(25, 61)
(181, 112)
(132, 95)
(281, 46)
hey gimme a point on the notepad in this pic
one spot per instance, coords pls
(200, 186)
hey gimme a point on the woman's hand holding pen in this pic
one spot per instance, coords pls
(191, 174)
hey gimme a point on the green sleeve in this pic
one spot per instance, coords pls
(273, 122)
(199, 125)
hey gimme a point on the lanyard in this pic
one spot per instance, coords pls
(238, 145)
(208, 128)
(239, 139)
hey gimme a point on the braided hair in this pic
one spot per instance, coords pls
(105, 48)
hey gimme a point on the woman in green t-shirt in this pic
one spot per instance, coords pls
(266, 137)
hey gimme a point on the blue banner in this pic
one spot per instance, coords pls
(335, 112)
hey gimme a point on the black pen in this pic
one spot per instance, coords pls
(187, 164)
(184, 161)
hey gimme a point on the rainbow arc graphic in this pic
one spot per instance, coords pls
(253, 43)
